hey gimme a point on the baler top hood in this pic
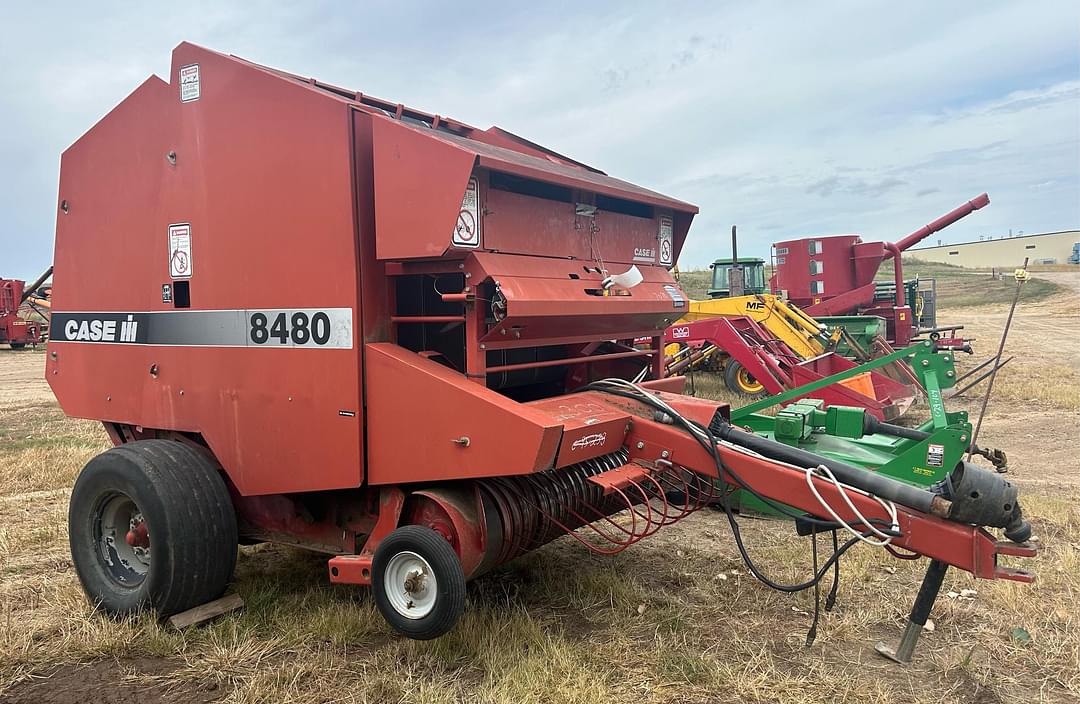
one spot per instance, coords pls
(410, 141)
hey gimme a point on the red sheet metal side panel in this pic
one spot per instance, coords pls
(498, 137)
(374, 292)
(541, 296)
(514, 162)
(846, 302)
(590, 429)
(419, 184)
(263, 175)
(866, 259)
(421, 175)
(430, 423)
(520, 224)
(99, 229)
(834, 267)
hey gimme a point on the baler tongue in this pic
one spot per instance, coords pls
(945, 523)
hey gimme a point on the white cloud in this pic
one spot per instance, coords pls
(788, 119)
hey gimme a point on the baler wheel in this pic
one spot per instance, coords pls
(737, 379)
(418, 582)
(151, 526)
(18, 345)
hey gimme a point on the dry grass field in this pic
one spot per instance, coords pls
(674, 619)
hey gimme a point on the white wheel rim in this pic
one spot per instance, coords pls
(115, 519)
(410, 585)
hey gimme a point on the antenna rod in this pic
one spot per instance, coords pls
(1021, 276)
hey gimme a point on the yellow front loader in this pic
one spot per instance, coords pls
(806, 337)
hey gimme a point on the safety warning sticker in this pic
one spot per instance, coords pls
(467, 227)
(189, 83)
(665, 240)
(935, 455)
(180, 251)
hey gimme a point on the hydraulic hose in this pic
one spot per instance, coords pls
(879, 485)
(969, 494)
(872, 425)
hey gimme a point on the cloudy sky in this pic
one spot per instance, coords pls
(788, 119)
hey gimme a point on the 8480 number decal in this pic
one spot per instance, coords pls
(290, 327)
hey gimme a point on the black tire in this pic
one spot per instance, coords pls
(732, 372)
(178, 494)
(449, 595)
(17, 345)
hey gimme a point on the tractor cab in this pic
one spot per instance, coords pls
(753, 276)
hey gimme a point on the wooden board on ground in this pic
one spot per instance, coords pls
(207, 611)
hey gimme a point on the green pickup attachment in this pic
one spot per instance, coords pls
(920, 456)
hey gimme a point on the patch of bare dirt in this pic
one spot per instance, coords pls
(1041, 444)
(1048, 329)
(1039, 439)
(127, 681)
(22, 378)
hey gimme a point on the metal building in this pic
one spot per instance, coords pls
(1045, 248)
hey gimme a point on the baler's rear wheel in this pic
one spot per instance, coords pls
(741, 381)
(418, 582)
(152, 526)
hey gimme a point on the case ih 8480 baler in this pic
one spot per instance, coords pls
(450, 394)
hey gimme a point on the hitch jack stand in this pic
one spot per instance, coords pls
(924, 601)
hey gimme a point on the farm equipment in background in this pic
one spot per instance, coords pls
(834, 276)
(768, 344)
(754, 362)
(805, 336)
(37, 303)
(761, 344)
(24, 312)
(455, 395)
(753, 270)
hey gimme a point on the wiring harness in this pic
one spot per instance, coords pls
(868, 530)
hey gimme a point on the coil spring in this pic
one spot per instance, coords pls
(534, 509)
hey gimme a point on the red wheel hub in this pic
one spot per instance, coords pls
(138, 536)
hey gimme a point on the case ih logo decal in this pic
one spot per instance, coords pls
(594, 440)
(328, 328)
(100, 330)
(646, 254)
